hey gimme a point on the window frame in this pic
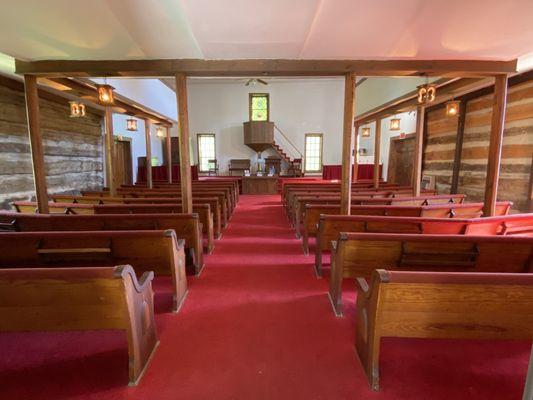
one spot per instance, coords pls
(198, 136)
(250, 97)
(321, 153)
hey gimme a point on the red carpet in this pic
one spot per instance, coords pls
(256, 325)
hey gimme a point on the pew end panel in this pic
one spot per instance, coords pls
(64, 299)
(437, 305)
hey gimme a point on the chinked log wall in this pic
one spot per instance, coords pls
(72, 146)
(441, 134)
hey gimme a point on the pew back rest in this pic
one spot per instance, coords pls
(68, 298)
(434, 305)
(157, 251)
(361, 253)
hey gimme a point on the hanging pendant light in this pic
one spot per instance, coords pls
(395, 124)
(160, 132)
(365, 132)
(452, 108)
(105, 93)
(77, 109)
(427, 93)
(131, 124)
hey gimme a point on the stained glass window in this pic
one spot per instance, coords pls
(313, 152)
(259, 110)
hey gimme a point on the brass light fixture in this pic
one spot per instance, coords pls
(105, 94)
(131, 124)
(395, 124)
(452, 108)
(365, 132)
(427, 93)
(160, 132)
(77, 109)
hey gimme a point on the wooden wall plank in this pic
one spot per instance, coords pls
(458, 147)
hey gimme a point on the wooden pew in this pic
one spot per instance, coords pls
(65, 299)
(219, 212)
(205, 215)
(30, 207)
(357, 255)
(439, 306)
(324, 222)
(186, 226)
(302, 202)
(158, 251)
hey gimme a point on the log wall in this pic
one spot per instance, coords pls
(441, 134)
(73, 146)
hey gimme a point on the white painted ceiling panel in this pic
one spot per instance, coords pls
(236, 29)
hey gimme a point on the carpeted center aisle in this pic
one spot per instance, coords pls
(256, 325)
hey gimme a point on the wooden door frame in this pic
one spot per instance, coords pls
(129, 172)
(395, 139)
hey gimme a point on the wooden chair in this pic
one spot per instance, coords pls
(357, 255)
(64, 299)
(157, 251)
(212, 167)
(440, 306)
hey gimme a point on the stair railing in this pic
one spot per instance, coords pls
(289, 141)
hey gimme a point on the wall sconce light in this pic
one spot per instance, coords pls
(105, 94)
(77, 109)
(131, 124)
(452, 108)
(160, 133)
(426, 94)
(395, 124)
(365, 132)
(362, 152)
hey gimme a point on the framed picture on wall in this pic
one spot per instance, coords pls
(428, 182)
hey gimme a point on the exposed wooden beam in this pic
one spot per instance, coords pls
(264, 67)
(169, 155)
(419, 150)
(458, 146)
(86, 90)
(446, 90)
(36, 143)
(355, 155)
(148, 140)
(109, 152)
(185, 163)
(495, 144)
(377, 153)
(347, 142)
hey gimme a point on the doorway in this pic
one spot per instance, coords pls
(123, 162)
(401, 154)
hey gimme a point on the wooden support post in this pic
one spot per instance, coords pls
(185, 163)
(347, 142)
(495, 144)
(419, 148)
(528, 390)
(377, 153)
(36, 143)
(169, 155)
(355, 170)
(148, 139)
(458, 147)
(109, 152)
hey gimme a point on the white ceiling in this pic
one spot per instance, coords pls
(236, 29)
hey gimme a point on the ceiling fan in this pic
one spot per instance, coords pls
(255, 81)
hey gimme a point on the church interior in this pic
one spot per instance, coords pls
(244, 199)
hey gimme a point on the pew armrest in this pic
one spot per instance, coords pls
(362, 287)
